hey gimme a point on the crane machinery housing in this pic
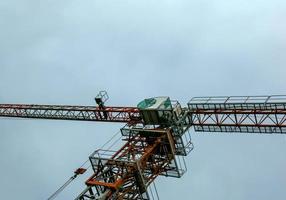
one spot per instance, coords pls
(156, 136)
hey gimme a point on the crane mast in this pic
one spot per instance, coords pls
(156, 136)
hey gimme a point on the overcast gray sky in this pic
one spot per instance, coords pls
(64, 52)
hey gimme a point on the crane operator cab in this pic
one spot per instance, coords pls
(159, 110)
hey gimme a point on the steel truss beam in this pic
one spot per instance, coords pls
(82, 113)
(239, 114)
(155, 151)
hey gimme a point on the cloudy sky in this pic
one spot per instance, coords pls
(64, 52)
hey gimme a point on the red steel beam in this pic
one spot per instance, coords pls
(66, 112)
(238, 120)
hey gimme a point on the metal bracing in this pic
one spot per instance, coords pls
(83, 113)
(128, 172)
(239, 102)
(259, 114)
(156, 140)
(249, 121)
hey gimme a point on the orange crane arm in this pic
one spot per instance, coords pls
(64, 112)
(265, 114)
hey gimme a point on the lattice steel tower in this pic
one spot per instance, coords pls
(156, 136)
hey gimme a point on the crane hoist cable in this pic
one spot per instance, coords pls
(76, 173)
(82, 170)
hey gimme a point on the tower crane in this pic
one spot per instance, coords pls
(156, 136)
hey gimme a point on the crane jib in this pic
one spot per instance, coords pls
(206, 116)
(63, 112)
